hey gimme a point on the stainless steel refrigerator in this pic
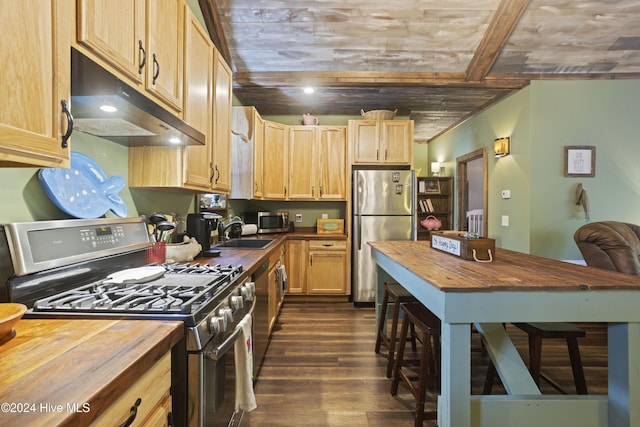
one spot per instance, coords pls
(383, 207)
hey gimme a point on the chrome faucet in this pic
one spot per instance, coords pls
(234, 222)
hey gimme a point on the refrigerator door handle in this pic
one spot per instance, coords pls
(358, 230)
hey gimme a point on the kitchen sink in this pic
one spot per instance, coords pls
(244, 244)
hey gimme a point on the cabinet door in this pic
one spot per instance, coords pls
(115, 31)
(303, 163)
(332, 153)
(198, 100)
(397, 141)
(275, 161)
(36, 71)
(296, 264)
(222, 126)
(327, 272)
(365, 136)
(258, 154)
(164, 68)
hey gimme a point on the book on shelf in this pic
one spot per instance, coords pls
(425, 205)
(429, 205)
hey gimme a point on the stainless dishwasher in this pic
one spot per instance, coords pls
(261, 316)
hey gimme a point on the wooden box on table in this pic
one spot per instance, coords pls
(457, 243)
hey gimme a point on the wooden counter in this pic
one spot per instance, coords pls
(89, 363)
(518, 287)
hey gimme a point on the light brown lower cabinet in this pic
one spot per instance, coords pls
(317, 267)
(153, 390)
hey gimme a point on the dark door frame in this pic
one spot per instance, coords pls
(461, 185)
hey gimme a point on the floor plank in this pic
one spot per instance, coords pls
(321, 370)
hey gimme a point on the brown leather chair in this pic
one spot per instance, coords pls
(610, 245)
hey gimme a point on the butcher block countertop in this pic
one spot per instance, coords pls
(509, 271)
(250, 259)
(50, 364)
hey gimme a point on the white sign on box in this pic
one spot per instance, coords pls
(447, 245)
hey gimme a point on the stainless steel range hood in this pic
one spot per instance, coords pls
(137, 119)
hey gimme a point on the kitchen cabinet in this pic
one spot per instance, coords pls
(141, 41)
(317, 162)
(36, 72)
(276, 259)
(275, 160)
(296, 264)
(381, 141)
(221, 156)
(200, 168)
(247, 129)
(198, 100)
(153, 390)
(317, 267)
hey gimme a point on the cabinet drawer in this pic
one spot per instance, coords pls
(153, 388)
(328, 245)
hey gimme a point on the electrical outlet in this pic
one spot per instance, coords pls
(505, 220)
(506, 194)
(298, 217)
(325, 216)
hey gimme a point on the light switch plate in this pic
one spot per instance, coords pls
(505, 220)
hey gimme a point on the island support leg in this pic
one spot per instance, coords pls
(454, 403)
(624, 374)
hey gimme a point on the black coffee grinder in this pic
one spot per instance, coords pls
(200, 225)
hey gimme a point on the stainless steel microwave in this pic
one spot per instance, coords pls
(268, 222)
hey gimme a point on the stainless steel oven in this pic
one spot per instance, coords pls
(65, 269)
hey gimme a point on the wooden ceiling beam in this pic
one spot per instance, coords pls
(369, 79)
(502, 24)
(214, 26)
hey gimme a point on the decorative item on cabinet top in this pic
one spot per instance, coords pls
(378, 114)
(308, 119)
(330, 226)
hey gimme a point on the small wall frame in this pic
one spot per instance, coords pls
(579, 161)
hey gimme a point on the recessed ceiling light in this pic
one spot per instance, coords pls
(175, 140)
(309, 89)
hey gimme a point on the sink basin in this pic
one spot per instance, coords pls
(244, 244)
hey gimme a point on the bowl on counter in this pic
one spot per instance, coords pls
(10, 313)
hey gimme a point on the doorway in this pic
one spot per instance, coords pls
(472, 182)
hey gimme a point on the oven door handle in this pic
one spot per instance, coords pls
(220, 350)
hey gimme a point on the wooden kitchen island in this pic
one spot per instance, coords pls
(518, 287)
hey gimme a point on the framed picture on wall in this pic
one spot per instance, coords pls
(579, 160)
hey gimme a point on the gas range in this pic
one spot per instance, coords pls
(65, 269)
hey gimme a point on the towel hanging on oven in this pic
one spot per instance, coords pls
(282, 277)
(243, 355)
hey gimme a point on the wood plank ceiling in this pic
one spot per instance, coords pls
(438, 61)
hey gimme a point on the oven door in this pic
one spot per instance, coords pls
(212, 383)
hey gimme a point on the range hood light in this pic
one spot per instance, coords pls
(309, 90)
(132, 119)
(108, 108)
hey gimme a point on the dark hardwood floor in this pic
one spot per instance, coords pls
(321, 370)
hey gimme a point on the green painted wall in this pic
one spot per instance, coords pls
(25, 200)
(542, 119)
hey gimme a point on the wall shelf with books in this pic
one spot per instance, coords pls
(434, 196)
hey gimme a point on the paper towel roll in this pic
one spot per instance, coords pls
(248, 229)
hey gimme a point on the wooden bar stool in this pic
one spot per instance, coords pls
(538, 331)
(428, 325)
(398, 295)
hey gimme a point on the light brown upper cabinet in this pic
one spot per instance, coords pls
(317, 162)
(275, 160)
(221, 156)
(142, 41)
(198, 167)
(381, 141)
(247, 129)
(36, 81)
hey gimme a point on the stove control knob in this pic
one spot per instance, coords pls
(227, 313)
(246, 293)
(251, 286)
(217, 324)
(237, 302)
